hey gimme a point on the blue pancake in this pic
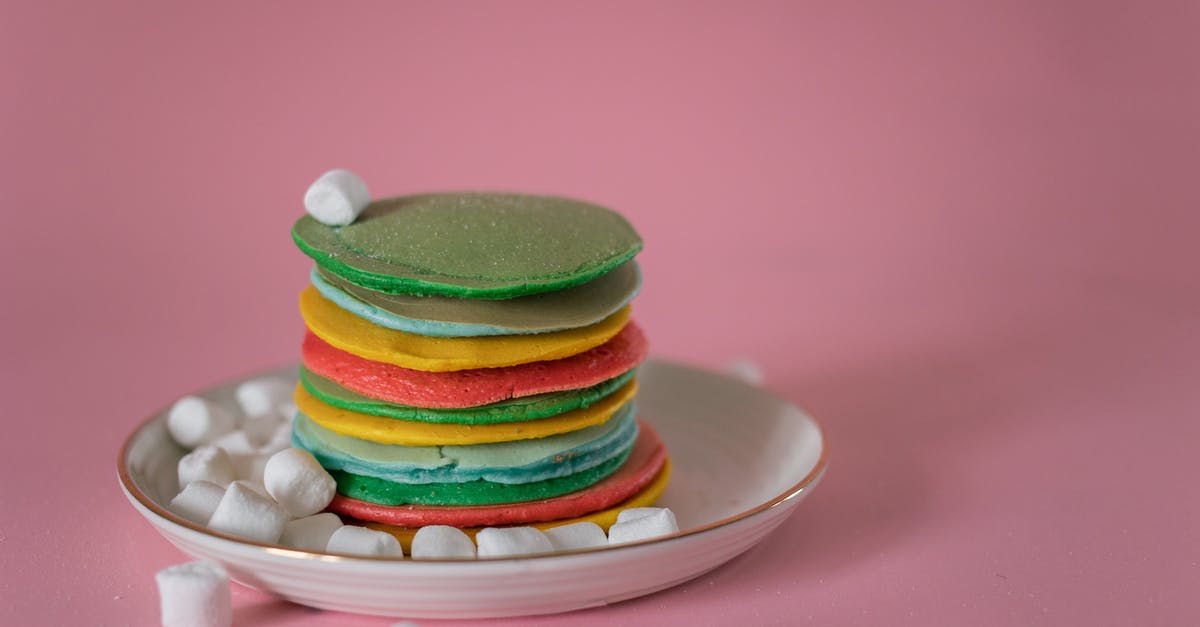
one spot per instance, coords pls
(524, 461)
(444, 316)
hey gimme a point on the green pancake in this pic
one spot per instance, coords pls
(479, 492)
(471, 245)
(511, 410)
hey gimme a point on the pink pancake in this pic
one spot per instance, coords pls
(480, 386)
(636, 473)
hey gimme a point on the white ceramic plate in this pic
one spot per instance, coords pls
(743, 460)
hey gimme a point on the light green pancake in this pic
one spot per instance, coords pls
(511, 410)
(472, 245)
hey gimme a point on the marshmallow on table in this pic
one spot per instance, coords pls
(197, 501)
(508, 541)
(435, 541)
(206, 463)
(195, 594)
(580, 535)
(311, 533)
(193, 421)
(642, 523)
(298, 482)
(245, 513)
(264, 396)
(363, 541)
(336, 198)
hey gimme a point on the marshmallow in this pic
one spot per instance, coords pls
(257, 486)
(298, 482)
(193, 421)
(263, 397)
(198, 501)
(580, 535)
(311, 532)
(235, 442)
(249, 466)
(280, 439)
(507, 541)
(195, 594)
(260, 428)
(336, 198)
(642, 523)
(245, 513)
(363, 541)
(747, 370)
(435, 541)
(206, 463)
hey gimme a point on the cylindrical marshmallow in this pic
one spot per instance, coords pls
(206, 463)
(310, 533)
(195, 594)
(197, 502)
(508, 541)
(363, 541)
(439, 541)
(298, 483)
(580, 535)
(245, 513)
(642, 523)
(264, 396)
(336, 198)
(193, 421)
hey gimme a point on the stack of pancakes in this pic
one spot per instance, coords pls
(470, 361)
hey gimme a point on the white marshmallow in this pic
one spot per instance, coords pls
(193, 421)
(634, 513)
(198, 501)
(263, 397)
(748, 370)
(279, 440)
(257, 486)
(260, 428)
(580, 535)
(363, 541)
(195, 594)
(506, 541)
(435, 541)
(249, 466)
(245, 513)
(642, 525)
(310, 533)
(235, 443)
(298, 482)
(206, 463)
(336, 198)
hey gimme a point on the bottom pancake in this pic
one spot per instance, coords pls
(640, 470)
(605, 518)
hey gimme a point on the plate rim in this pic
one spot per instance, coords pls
(132, 491)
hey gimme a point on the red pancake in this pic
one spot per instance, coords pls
(480, 386)
(636, 473)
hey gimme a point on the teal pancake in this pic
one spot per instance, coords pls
(512, 410)
(523, 461)
(444, 316)
(481, 492)
(472, 245)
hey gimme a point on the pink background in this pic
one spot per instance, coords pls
(962, 237)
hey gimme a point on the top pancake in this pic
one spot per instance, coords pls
(471, 245)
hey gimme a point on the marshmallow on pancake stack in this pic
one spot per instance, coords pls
(470, 361)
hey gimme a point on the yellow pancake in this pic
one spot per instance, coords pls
(416, 433)
(352, 334)
(605, 518)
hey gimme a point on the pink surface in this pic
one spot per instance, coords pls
(961, 237)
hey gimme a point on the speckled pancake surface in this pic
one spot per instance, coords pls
(386, 430)
(434, 354)
(472, 388)
(472, 245)
(511, 410)
(443, 316)
(523, 461)
(480, 492)
(646, 465)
